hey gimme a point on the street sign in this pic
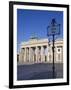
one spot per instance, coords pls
(53, 30)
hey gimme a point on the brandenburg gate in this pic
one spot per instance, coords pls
(38, 51)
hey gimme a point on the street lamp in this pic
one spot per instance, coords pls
(52, 30)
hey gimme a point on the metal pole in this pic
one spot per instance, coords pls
(53, 59)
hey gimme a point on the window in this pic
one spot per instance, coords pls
(58, 50)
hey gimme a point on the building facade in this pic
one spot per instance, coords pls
(40, 51)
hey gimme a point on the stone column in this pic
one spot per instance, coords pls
(21, 56)
(36, 54)
(33, 55)
(29, 54)
(42, 56)
(50, 55)
(47, 53)
(25, 55)
(55, 55)
(43, 49)
(62, 54)
(31, 58)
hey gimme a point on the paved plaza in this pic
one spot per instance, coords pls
(39, 71)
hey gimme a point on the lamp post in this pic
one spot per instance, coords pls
(52, 30)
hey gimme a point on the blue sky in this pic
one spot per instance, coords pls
(35, 22)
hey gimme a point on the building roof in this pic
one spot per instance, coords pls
(34, 41)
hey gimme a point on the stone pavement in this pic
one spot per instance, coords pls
(39, 71)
